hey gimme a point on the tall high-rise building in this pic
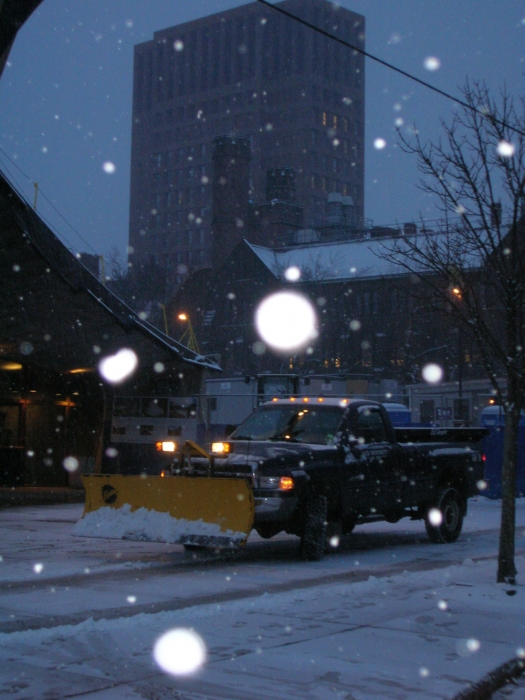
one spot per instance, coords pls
(294, 94)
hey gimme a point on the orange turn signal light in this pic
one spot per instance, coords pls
(286, 483)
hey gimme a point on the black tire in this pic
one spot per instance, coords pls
(313, 540)
(450, 504)
(349, 526)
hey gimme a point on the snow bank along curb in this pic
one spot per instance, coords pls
(493, 681)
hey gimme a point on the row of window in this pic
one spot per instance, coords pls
(187, 238)
(180, 177)
(327, 185)
(185, 217)
(223, 54)
(338, 166)
(177, 198)
(170, 178)
(186, 258)
(180, 156)
(241, 100)
(219, 105)
(325, 161)
(175, 220)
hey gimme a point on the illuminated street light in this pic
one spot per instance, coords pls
(189, 334)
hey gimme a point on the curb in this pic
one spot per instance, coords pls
(493, 681)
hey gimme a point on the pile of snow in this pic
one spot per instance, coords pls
(152, 526)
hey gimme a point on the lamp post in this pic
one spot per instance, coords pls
(463, 417)
(189, 334)
(456, 291)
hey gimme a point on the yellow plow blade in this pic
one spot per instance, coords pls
(178, 509)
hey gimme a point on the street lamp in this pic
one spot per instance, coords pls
(456, 292)
(189, 334)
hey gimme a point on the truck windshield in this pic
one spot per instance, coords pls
(317, 425)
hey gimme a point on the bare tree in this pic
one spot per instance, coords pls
(474, 265)
(142, 288)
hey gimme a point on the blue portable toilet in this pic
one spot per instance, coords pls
(399, 413)
(493, 418)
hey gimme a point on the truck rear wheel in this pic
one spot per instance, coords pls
(449, 506)
(313, 539)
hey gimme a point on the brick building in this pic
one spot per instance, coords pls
(294, 95)
(370, 320)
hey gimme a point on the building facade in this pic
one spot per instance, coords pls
(296, 96)
(57, 321)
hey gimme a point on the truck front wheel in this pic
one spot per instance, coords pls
(313, 539)
(444, 521)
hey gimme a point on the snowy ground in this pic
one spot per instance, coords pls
(386, 616)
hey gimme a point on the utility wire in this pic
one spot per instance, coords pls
(389, 65)
(49, 202)
(15, 185)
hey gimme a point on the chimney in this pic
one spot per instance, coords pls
(349, 212)
(231, 185)
(334, 208)
(280, 184)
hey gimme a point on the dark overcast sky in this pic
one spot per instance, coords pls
(66, 97)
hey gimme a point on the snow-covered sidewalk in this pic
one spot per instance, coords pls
(415, 635)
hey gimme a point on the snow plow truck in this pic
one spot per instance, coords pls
(312, 467)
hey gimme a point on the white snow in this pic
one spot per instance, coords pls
(149, 526)
(341, 260)
(341, 628)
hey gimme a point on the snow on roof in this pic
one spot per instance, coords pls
(330, 261)
(343, 260)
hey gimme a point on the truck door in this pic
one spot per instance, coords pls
(376, 463)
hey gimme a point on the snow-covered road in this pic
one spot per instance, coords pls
(386, 616)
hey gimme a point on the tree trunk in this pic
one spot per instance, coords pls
(506, 566)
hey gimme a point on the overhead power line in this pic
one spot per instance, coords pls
(390, 66)
(48, 201)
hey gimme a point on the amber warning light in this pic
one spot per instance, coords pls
(168, 446)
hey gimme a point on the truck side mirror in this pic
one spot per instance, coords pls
(347, 441)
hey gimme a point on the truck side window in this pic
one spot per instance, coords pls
(370, 425)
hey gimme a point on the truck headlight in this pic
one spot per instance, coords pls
(220, 448)
(166, 446)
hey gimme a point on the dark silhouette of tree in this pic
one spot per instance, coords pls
(141, 288)
(474, 264)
